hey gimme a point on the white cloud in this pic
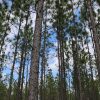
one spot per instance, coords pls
(53, 63)
(0, 1)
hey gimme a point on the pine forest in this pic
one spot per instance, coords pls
(49, 49)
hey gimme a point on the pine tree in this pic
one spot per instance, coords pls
(34, 70)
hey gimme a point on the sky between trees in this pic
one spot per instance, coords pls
(50, 50)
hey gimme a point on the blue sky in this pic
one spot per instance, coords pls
(52, 55)
(9, 3)
(53, 60)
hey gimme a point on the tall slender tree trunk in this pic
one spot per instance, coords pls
(43, 62)
(26, 85)
(23, 71)
(60, 38)
(15, 54)
(77, 76)
(95, 36)
(34, 70)
(92, 95)
(25, 53)
(76, 71)
(43, 65)
(20, 74)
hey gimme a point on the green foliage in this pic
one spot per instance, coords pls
(98, 1)
(3, 91)
(71, 28)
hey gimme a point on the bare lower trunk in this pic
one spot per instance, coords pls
(77, 75)
(26, 85)
(43, 62)
(34, 70)
(19, 77)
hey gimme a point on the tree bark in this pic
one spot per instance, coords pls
(20, 75)
(77, 76)
(34, 70)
